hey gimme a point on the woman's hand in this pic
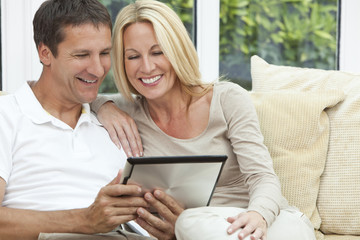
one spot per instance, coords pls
(162, 228)
(121, 128)
(252, 223)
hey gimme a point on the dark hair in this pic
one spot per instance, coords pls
(54, 15)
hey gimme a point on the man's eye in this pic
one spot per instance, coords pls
(81, 55)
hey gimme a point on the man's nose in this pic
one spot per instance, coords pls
(96, 67)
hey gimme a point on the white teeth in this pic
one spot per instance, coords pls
(87, 81)
(150, 80)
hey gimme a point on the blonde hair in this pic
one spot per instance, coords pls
(172, 37)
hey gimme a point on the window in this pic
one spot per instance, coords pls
(20, 61)
(297, 33)
(184, 8)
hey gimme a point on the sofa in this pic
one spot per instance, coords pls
(310, 119)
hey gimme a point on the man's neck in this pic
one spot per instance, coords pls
(62, 109)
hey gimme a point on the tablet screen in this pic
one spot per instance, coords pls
(191, 180)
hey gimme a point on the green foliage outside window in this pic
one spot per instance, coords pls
(285, 32)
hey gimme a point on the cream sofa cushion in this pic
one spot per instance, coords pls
(339, 237)
(339, 193)
(296, 132)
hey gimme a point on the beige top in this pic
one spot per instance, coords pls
(248, 179)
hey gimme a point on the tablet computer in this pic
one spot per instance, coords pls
(191, 180)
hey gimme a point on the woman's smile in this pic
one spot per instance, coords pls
(151, 80)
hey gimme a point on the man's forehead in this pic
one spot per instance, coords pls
(85, 27)
(86, 34)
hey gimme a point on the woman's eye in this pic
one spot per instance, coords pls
(132, 57)
(105, 53)
(158, 53)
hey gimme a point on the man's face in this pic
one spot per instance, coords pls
(82, 62)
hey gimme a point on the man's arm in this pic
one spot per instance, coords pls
(112, 207)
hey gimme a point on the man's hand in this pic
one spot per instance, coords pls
(121, 128)
(115, 204)
(253, 224)
(168, 209)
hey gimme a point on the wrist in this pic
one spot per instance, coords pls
(81, 221)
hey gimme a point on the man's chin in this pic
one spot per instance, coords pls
(89, 99)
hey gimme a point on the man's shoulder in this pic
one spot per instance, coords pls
(8, 103)
(10, 113)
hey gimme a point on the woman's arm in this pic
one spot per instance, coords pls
(120, 126)
(254, 161)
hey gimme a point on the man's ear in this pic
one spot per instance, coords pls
(45, 54)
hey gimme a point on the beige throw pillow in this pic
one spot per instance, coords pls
(339, 193)
(296, 132)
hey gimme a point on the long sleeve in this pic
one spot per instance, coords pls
(252, 155)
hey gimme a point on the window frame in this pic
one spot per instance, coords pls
(349, 37)
(207, 38)
(20, 60)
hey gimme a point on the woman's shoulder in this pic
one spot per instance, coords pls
(229, 89)
(223, 86)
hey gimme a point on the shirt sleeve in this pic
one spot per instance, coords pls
(98, 102)
(6, 145)
(252, 155)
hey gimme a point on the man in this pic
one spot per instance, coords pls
(56, 161)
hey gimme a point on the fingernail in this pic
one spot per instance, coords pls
(139, 189)
(137, 155)
(157, 193)
(230, 230)
(241, 235)
(129, 154)
(141, 153)
(148, 196)
(140, 211)
(118, 145)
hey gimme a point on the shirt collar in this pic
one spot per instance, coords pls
(32, 108)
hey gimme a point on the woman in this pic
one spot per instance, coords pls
(177, 114)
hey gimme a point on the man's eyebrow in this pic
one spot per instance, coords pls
(80, 50)
(107, 49)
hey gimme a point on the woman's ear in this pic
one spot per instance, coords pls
(45, 54)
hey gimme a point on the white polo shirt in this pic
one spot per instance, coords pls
(46, 164)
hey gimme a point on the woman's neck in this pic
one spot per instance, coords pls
(181, 116)
(174, 104)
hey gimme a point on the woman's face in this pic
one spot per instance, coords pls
(146, 66)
